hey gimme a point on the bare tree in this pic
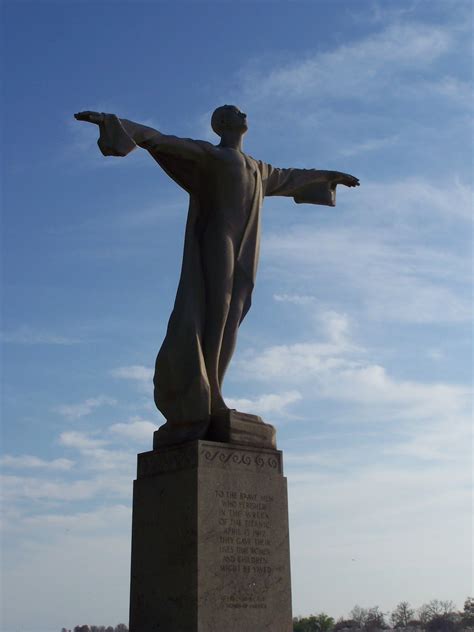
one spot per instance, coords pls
(374, 620)
(434, 608)
(402, 615)
(368, 618)
(359, 615)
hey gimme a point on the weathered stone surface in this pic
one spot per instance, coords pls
(232, 426)
(221, 250)
(210, 546)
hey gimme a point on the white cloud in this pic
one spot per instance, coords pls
(337, 328)
(371, 144)
(296, 299)
(96, 454)
(415, 197)
(107, 518)
(80, 441)
(265, 404)
(137, 430)
(380, 257)
(134, 372)
(307, 361)
(82, 409)
(27, 461)
(340, 378)
(16, 488)
(458, 92)
(27, 336)
(337, 369)
(366, 69)
(371, 384)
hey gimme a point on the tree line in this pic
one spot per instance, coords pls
(434, 616)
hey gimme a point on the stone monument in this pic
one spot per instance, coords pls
(210, 544)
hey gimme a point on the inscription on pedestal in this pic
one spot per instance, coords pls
(245, 544)
(217, 557)
(244, 541)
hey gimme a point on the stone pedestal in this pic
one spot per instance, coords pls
(232, 426)
(210, 546)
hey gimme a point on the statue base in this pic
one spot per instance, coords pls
(228, 426)
(210, 542)
(232, 426)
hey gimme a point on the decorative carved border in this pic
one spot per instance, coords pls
(241, 458)
(223, 456)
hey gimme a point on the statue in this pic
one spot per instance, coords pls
(221, 249)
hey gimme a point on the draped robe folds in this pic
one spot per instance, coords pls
(180, 382)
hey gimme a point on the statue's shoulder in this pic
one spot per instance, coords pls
(204, 144)
(249, 157)
(259, 165)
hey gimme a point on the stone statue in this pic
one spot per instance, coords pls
(221, 249)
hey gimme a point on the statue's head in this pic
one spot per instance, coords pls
(228, 118)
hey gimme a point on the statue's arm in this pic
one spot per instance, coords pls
(313, 186)
(139, 133)
(151, 139)
(119, 136)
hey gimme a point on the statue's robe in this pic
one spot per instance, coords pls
(181, 383)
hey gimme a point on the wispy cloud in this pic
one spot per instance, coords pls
(99, 453)
(80, 440)
(267, 403)
(28, 461)
(107, 518)
(82, 409)
(141, 376)
(371, 144)
(418, 197)
(400, 272)
(325, 375)
(138, 430)
(337, 369)
(297, 299)
(366, 69)
(16, 488)
(134, 372)
(27, 336)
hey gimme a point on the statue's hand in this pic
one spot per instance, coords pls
(90, 117)
(346, 179)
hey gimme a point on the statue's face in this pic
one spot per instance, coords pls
(235, 119)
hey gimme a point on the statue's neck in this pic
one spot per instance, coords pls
(231, 140)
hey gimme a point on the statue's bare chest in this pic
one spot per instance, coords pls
(232, 164)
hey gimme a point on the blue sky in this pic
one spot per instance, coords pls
(358, 343)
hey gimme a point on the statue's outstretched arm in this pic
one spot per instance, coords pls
(313, 186)
(118, 137)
